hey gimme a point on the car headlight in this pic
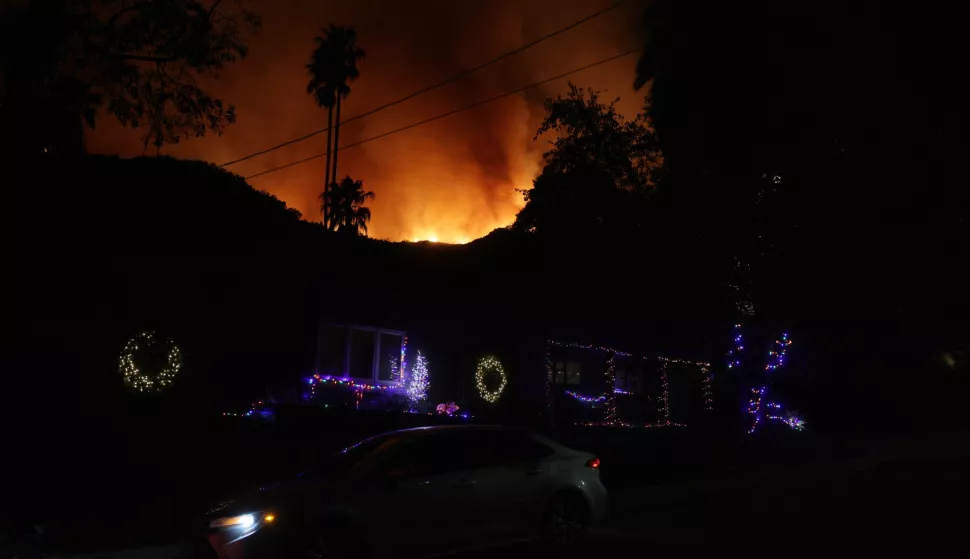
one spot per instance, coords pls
(240, 526)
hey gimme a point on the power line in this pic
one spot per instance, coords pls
(447, 114)
(443, 82)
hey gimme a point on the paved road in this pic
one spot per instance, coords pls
(884, 506)
(892, 505)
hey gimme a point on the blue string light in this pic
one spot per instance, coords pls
(586, 399)
(734, 355)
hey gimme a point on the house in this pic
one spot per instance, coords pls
(360, 366)
(364, 361)
(590, 384)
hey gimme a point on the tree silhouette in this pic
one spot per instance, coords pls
(332, 65)
(62, 61)
(347, 212)
(597, 172)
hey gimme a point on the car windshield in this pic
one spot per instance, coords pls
(354, 458)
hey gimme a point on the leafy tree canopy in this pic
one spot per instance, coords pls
(63, 60)
(346, 210)
(598, 171)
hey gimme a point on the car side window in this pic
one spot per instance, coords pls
(441, 453)
(510, 447)
(437, 453)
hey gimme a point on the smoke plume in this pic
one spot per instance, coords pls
(452, 180)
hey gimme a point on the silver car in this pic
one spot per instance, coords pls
(419, 492)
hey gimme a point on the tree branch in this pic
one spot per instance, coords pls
(142, 57)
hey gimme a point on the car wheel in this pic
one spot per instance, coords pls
(336, 540)
(565, 520)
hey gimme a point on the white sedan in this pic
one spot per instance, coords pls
(418, 492)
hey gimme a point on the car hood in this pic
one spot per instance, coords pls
(274, 496)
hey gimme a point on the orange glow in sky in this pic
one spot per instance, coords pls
(450, 181)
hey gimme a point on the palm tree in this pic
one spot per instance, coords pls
(346, 200)
(333, 64)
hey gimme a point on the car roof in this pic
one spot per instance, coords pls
(418, 431)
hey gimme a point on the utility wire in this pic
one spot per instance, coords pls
(449, 113)
(443, 82)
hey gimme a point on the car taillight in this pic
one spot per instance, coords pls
(593, 463)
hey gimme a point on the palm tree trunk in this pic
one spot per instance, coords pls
(327, 210)
(336, 137)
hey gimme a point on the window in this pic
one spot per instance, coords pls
(362, 354)
(439, 453)
(389, 365)
(572, 372)
(620, 381)
(345, 462)
(558, 372)
(565, 372)
(332, 353)
(634, 381)
(456, 451)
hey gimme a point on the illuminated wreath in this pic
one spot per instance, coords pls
(142, 344)
(487, 365)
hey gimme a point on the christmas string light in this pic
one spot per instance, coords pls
(317, 380)
(418, 381)
(734, 355)
(586, 399)
(610, 374)
(590, 347)
(706, 389)
(149, 382)
(665, 387)
(794, 421)
(628, 425)
(776, 357)
(610, 415)
(754, 407)
(486, 365)
(404, 366)
(548, 378)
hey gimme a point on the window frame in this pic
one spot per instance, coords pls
(377, 333)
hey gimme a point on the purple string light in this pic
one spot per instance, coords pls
(734, 359)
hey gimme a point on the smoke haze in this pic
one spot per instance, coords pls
(453, 180)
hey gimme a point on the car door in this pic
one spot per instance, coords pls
(428, 493)
(511, 478)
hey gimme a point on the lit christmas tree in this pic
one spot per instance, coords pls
(418, 382)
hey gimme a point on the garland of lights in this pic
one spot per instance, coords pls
(404, 365)
(317, 380)
(610, 415)
(707, 389)
(778, 354)
(586, 399)
(485, 365)
(149, 382)
(735, 354)
(776, 358)
(665, 386)
(610, 397)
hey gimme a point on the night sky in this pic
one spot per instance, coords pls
(453, 179)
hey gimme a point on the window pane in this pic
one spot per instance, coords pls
(332, 349)
(390, 364)
(557, 377)
(572, 372)
(362, 354)
(621, 379)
